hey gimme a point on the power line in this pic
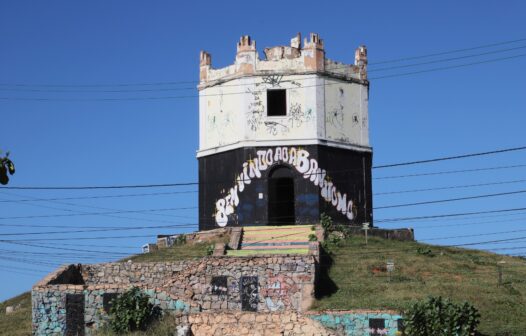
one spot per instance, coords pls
(61, 90)
(96, 197)
(451, 200)
(133, 186)
(182, 225)
(448, 67)
(400, 219)
(170, 83)
(98, 213)
(448, 172)
(101, 208)
(474, 235)
(65, 248)
(153, 98)
(80, 238)
(448, 187)
(445, 60)
(447, 52)
(446, 158)
(470, 223)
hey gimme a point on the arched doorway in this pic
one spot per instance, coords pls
(281, 201)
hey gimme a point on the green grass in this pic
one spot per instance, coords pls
(174, 253)
(245, 253)
(19, 322)
(360, 282)
(164, 327)
(359, 274)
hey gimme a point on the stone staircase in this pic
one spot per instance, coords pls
(285, 239)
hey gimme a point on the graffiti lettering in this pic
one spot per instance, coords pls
(299, 159)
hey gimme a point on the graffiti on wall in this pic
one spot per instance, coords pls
(335, 116)
(249, 293)
(299, 159)
(256, 109)
(278, 292)
(276, 81)
(218, 285)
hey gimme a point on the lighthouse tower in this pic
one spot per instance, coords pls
(284, 139)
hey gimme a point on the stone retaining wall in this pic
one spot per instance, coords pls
(360, 322)
(256, 284)
(253, 324)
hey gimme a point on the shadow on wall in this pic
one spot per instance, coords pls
(324, 285)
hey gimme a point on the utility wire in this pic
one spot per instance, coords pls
(96, 197)
(182, 225)
(450, 200)
(445, 60)
(62, 90)
(401, 219)
(448, 67)
(154, 98)
(484, 46)
(473, 235)
(447, 172)
(446, 158)
(447, 52)
(448, 187)
(98, 213)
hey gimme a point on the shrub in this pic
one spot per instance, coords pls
(131, 311)
(441, 317)
(326, 222)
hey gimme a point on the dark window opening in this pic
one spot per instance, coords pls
(376, 326)
(276, 103)
(219, 285)
(107, 301)
(400, 325)
(249, 293)
(74, 315)
(281, 201)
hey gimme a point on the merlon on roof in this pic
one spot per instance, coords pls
(293, 59)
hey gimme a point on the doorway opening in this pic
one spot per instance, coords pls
(281, 200)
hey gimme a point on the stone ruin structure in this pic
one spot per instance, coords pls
(282, 140)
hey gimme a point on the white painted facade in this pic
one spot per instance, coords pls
(326, 101)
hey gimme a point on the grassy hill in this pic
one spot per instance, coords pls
(357, 278)
(19, 322)
(360, 280)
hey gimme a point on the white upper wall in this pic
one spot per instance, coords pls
(326, 101)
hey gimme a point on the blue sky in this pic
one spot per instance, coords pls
(78, 138)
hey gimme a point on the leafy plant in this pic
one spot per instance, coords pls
(7, 167)
(132, 311)
(312, 237)
(210, 250)
(180, 240)
(326, 222)
(425, 251)
(441, 317)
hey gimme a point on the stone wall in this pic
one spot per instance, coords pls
(256, 284)
(51, 315)
(253, 324)
(360, 322)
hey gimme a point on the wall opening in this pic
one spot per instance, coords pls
(74, 315)
(281, 200)
(276, 103)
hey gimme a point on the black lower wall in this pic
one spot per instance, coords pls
(348, 170)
